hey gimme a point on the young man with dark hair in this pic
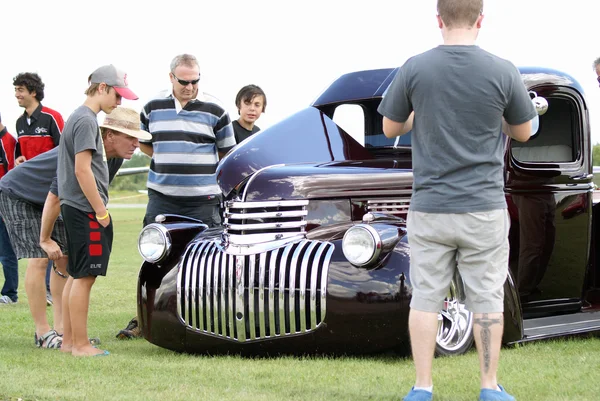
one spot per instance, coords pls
(251, 102)
(38, 130)
(458, 99)
(83, 202)
(10, 264)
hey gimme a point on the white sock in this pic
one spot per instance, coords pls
(430, 388)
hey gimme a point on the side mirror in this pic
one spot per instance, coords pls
(541, 107)
(540, 103)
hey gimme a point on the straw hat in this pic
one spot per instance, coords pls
(127, 121)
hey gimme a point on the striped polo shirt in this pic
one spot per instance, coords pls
(185, 143)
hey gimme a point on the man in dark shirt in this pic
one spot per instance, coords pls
(251, 102)
(39, 128)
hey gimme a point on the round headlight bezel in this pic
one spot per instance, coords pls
(375, 241)
(166, 238)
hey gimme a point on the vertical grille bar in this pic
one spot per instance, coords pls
(292, 287)
(230, 293)
(209, 291)
(195, 305)
(261, 293)
(314, 274)
(188, 295)
(182, 287)
(272, 270)
(283, 267)
(303, 274)
(215, 293)
(324, 273)
(239, 305)
(251, 306)
(222, 292)
(202, 288)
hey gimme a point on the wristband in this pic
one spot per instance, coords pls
(103, 217)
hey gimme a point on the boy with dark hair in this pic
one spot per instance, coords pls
(251, 102)
(83, 203)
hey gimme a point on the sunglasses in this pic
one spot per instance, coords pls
(183, 82)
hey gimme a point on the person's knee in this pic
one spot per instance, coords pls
(38, 264)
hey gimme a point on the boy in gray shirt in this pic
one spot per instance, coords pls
(83, 203)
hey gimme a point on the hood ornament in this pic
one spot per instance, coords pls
(224, 240)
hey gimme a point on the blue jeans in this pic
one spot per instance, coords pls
(10, 264)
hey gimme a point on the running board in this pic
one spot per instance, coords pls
(553, 326)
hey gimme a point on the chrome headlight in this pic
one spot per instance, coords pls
(154, 243)
(361, 244)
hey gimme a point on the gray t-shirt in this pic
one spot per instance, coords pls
(81, 133)
(31, 181)
(459, 95)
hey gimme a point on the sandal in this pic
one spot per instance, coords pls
(49, 340)
(93, 340)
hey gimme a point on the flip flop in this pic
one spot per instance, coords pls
(105, 353)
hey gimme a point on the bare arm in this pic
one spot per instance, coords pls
(392, 129)
(49, 216)
(147, 149)
(520, 132)
(87, 182)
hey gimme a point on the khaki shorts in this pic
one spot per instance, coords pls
(476, 243)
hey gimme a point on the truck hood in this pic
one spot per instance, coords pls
(329, 180)
(308, 136)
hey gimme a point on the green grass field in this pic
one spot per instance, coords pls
(137, 370)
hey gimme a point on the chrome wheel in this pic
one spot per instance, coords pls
(455, 322)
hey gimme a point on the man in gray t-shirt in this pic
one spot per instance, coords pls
(458, 99)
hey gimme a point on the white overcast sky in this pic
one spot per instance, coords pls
(293, 50)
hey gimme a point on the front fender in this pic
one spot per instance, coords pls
(513, 316)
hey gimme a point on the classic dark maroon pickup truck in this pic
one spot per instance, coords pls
(313, 255)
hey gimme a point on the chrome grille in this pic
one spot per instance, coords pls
(249, 223)
(397, 207)
(251, 297)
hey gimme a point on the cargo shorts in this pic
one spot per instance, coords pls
(474, 243)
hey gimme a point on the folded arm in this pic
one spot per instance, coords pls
(392, 129)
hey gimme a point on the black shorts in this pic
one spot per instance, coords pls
(88, 243)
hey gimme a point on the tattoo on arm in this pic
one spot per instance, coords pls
(486, 337)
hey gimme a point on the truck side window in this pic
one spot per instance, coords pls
(555, 141)
(351, 118)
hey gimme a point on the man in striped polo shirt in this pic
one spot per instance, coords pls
(190, 132)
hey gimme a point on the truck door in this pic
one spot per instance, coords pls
(549, 193)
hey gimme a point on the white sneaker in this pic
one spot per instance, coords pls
(5, 299)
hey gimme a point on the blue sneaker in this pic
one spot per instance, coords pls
(487, 394)
(418, 395)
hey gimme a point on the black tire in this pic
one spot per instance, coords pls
(455, 322)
